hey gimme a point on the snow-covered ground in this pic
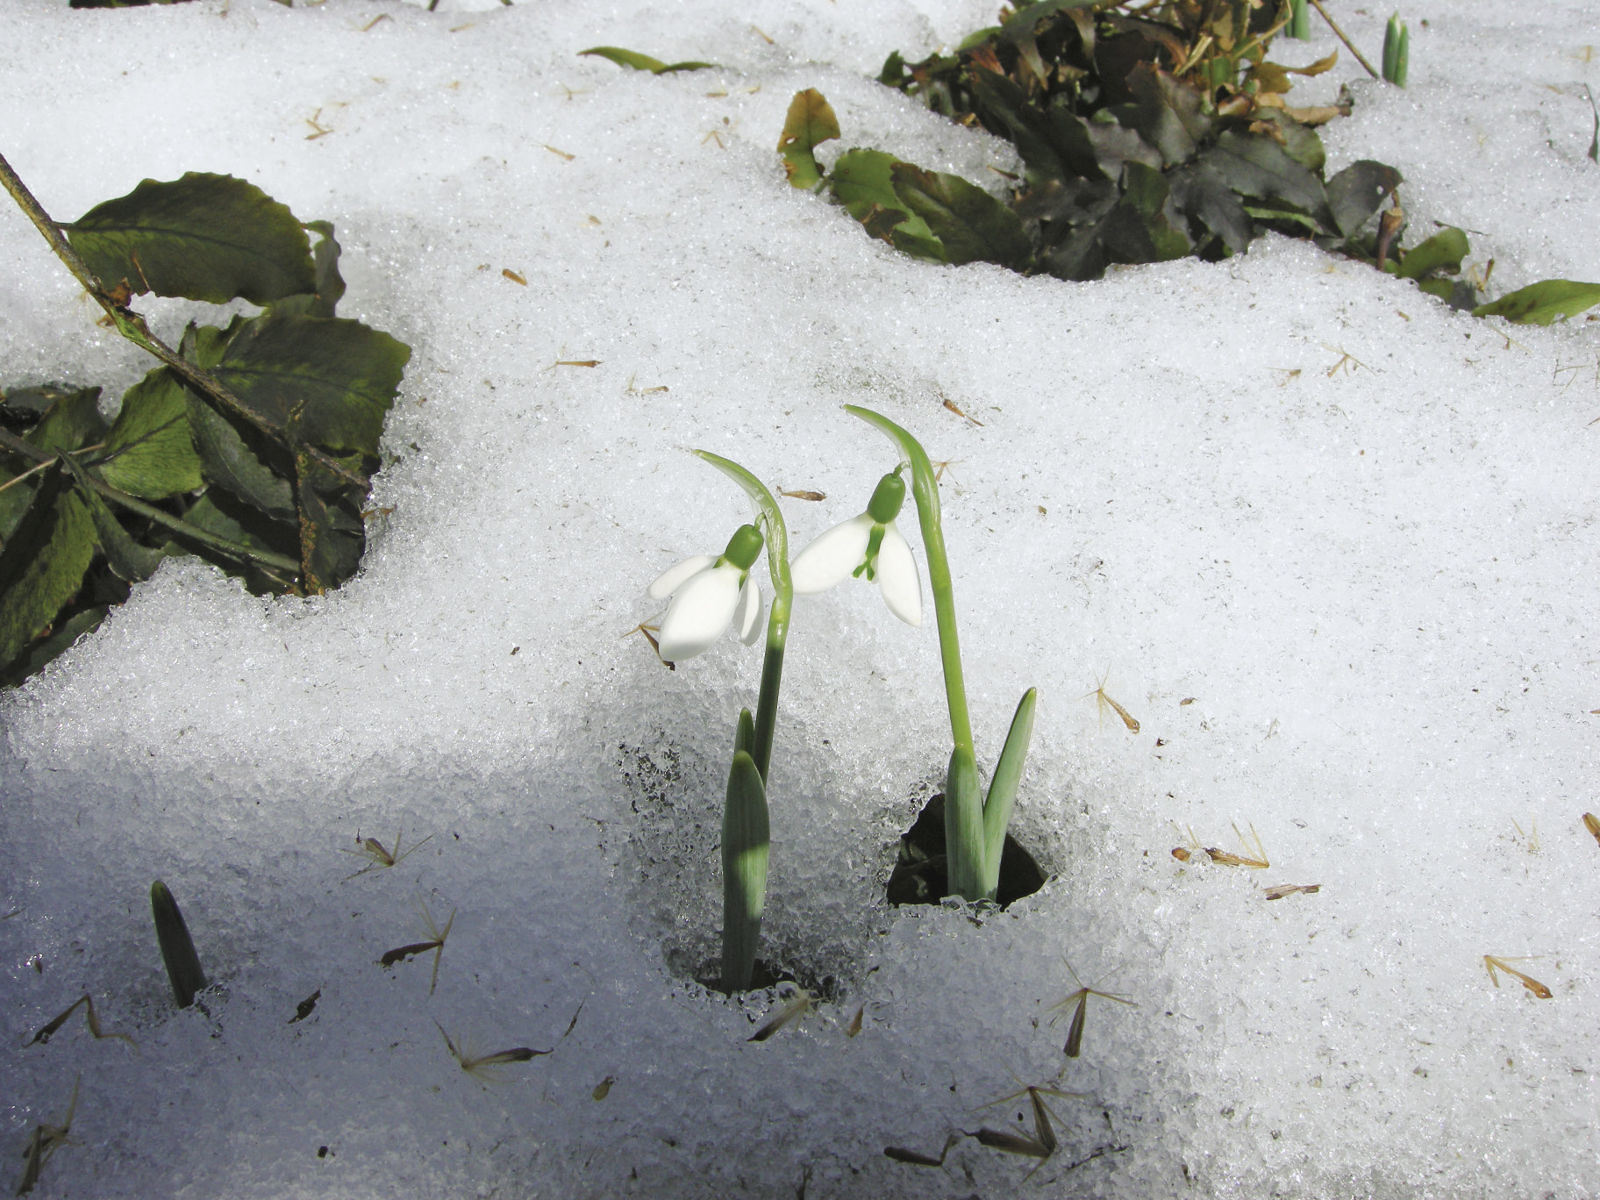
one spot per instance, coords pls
(1331, 543)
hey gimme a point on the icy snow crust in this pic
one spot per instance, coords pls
(1334, 544)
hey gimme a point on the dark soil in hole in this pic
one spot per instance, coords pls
(765, 975)
(919, 875)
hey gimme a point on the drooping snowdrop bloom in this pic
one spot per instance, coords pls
(867, 546)
(709, 594)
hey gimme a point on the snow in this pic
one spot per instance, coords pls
(1331, 543)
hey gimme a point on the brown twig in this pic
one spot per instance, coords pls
(44, 459)
(1349, 45)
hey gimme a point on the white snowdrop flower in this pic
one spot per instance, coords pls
(709, 594)
(867, 546)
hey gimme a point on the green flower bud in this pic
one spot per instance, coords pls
(744, 547)
(887, 498)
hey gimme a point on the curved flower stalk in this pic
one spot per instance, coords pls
(975, 825)
(708, 595)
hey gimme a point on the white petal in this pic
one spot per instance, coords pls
(699, 613)
(748, 615)
(832, 557)
(674, 578)
(898, 577)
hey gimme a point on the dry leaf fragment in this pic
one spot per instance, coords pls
(1279, 891)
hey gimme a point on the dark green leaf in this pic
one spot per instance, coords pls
(332, 534)
(642, 62)
(1442, 252)
(204, 345)
(128, 560)
(1167, 114)
(1024, 24)
(1543, 302)
(1053, 142)
(24, 407)
(149, 452)
(329, 283)
(215, 513)
(177, 947)
(72, 422)
(972, 225)
(1201, 192)
(205, 237)
(330, 382)
(1356, 192)
(745, 849)
(43, 563)
(862, 182)
(1078, 256)
(229, 462)
(810, 122)
(1254, 165)
(1299, 140)
(1144, 226)
(62, 634)
(1116, 144)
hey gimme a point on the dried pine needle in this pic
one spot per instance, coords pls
(1495, 963)
(483, 1066)
(378, 856)
(1078, 1001)
(795, 1007)
(1103, 701)
(1258, 861)
(93, 1021)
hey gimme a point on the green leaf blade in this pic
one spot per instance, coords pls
(971, 225)
(809, 123)
(1003, 789)
(1357, 192)
(204, 237)
(863, 181)
(746, 845)
(1440, 254)
(177, 947)
(964, 847)
(149, 452)
(636, 61)
(1543, 303)
(43, 562)
(330, 381)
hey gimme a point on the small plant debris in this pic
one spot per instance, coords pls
(1496, 964)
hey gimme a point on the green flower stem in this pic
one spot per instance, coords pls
(925, 491)
(966, 852)
(777, 535)
(745, 830)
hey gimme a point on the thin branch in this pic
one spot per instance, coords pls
(1349, 45)
(43, 458)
